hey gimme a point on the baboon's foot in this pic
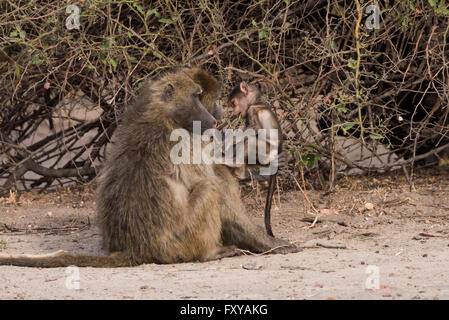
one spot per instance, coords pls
(226, 252)
(284, 247)
(291, 248)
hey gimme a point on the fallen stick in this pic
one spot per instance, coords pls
(432, 235)
(329, 246)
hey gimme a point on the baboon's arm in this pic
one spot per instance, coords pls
(203, 193)
(237, 228)
(240, 231)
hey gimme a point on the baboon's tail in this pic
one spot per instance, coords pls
(63, 258)
(270, 192)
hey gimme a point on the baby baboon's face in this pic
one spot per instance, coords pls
(243, 96)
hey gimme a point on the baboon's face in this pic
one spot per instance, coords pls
(243, 96)
(210, 91)
(186, 106)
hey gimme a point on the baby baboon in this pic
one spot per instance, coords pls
(154, 211)
(246, 100)
(253, 239)
(211, 91)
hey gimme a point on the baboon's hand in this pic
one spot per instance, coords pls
(284, 157)
(286, 248)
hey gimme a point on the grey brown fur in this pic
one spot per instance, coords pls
(247, 102)
(153, 211)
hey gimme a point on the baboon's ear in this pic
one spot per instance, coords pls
(244, 87)
(168, 92)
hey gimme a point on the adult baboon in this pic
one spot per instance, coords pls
(154, 211)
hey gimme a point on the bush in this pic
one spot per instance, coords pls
(325, 72)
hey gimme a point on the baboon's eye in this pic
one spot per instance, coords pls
(197, 94)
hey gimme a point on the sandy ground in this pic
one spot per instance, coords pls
(373, 239)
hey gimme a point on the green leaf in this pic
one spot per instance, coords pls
(103, 55)
(166, 21)
(433, 3)
(113, 63)
(376, 136)
(132, 59)
(106, 43)
(22, 34)
(263, 34)
(13, 34)
(151, 12)
(348, 125)
(352, 63)
(157, 55)
(36, 61)
(17, 71)
(139, 8)
(51, 20)
(341, 108)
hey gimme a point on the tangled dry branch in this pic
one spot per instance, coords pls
(327, 74)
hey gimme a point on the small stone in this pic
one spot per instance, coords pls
(252, 266)
(369, 206)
